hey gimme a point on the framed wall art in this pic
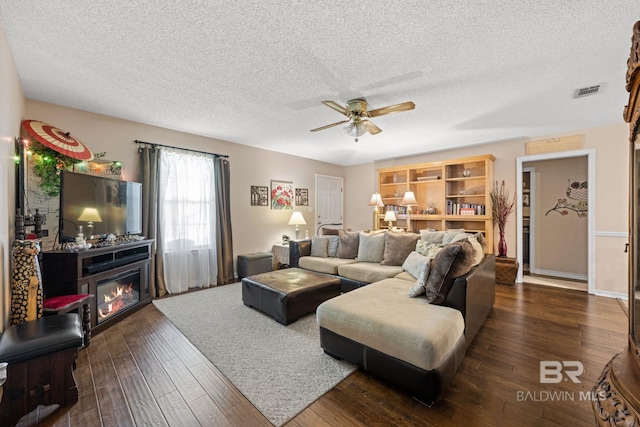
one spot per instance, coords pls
(281, 195)
(302, 197)
(259, 195)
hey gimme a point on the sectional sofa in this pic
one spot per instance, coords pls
(411, 303)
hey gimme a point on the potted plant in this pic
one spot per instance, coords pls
(502, 207)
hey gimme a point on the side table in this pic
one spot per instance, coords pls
(281, 253)
(506, 270)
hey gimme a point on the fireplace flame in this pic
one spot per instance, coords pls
(118, 299)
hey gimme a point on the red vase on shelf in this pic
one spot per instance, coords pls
(502, 245)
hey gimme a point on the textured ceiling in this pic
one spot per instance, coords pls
(254, 72)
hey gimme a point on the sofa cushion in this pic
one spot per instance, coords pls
(371, 247)
(323, 265)
(381, 316)
(398, 246)
(452, 261)
(319, 247)
(368, 272)
(405, 275)
(348, 247)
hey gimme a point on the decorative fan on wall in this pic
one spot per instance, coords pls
(356, 111)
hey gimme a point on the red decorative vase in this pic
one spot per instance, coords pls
(502, 245)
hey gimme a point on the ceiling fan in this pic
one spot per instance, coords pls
(356, 111)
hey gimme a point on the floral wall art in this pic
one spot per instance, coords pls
(282, 195)
(576, 199)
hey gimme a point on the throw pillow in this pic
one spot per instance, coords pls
(478, 251)
(329, 231)
(427, 249)
(436, 236)
(371, 247)
(419, 288)
(348, 246)
(482, 241)
(413, 263)
(319, 247)
(454, 236)
(431, 236)
(332, 245)
(397, 247)
(452, 261)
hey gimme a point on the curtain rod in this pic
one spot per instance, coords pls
(180, 148)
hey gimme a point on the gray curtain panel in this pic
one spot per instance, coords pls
(148, 169)
(223, 221)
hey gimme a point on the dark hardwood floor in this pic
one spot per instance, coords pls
(142, 371)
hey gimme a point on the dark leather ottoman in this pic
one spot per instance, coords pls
(41, 355)
(288, 294)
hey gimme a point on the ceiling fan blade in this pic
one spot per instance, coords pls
(329, 126)
(397, 108)
(339, 108)
(373, 129)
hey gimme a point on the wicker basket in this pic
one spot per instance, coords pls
(506, 270)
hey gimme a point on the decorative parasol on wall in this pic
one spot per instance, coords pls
(56, 139)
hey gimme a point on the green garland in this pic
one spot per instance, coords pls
(47, 166)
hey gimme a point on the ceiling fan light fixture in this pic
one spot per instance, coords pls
(355, 129)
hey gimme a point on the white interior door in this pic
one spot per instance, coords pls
(329, 202)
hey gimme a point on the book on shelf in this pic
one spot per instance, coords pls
(428, 178)
(455, 208)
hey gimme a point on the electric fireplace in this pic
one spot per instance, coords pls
(117, 293)
(117, 276)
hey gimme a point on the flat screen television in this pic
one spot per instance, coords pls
(98, 206)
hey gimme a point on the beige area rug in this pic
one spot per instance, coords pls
(280, 369)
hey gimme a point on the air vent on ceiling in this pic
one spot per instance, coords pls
(590, 90)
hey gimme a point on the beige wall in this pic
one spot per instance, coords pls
(560, 241)
(11, 111)
(611, 187)
(255, 228)
(360, 184)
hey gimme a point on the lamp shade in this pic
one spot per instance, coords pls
(90, 214)
(390, 216)
(376, 200)
(297, 219)
(409, 199)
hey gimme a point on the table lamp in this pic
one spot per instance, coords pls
(297, 219)
(90, 215)
(409, 200)
(390, 216)
(376, 201)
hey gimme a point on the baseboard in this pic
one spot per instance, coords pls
(609, 294)
(559, 274)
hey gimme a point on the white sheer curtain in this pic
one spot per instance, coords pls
(187, 220)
